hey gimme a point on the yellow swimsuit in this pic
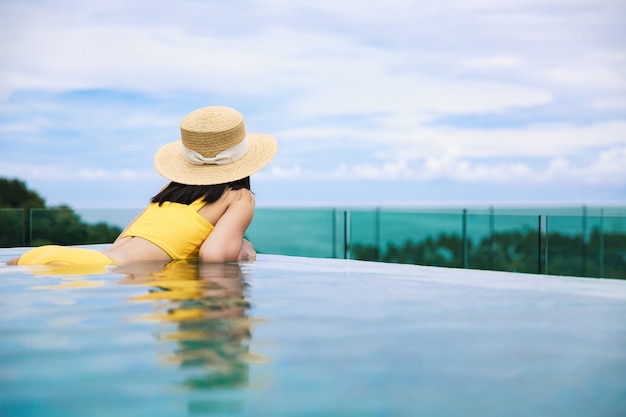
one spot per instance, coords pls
(62, 255)
(176, 228)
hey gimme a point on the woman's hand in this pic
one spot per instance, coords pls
(247, 252)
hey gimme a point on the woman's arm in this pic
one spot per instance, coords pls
(225, 242)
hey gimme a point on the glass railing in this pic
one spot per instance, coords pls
(590, 244)
(13, 227)
(301, 232)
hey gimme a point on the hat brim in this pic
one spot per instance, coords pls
(171, 164)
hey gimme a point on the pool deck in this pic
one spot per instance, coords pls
(322, 337)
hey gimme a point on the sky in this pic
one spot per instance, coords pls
(374, 103)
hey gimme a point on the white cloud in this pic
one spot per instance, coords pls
(540, 140)
(398, 137)
(386, 53)
(52, 173)
(607, 167)
(361, 86)
(491, 63)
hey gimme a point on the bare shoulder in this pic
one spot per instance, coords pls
(235, 208)
(241, 201)
(243, 195)
(232, 200)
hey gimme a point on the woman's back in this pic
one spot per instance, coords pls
(169, 230)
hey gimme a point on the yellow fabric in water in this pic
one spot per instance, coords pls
(63, 255)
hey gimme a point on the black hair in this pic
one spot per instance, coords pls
(187, 194)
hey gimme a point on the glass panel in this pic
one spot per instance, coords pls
(341, 234)
(564, 245)
(480, 241)
(365, 235)
(516, 244)
(422, 238)
(610, 240)
(586, 246)
(63, 226)
(592, 232)
(119, 218)
(296, 232)
(12, 227)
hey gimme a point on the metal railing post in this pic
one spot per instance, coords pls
(584, 243)
(464, 239)
(377, 233)
(346, 238)
(539, 244)
(546, 249)
(334, 232)
(601, 254)
(491, 237)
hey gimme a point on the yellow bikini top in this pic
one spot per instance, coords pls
(176, 228)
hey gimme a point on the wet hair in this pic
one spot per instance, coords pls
(186, 194)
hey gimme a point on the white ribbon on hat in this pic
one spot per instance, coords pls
(225, 157)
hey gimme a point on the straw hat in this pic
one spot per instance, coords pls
(214, 149)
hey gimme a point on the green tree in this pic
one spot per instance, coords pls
(515, 251)
(16, 201)
(15, 194)
(50, 225)
(507, 251)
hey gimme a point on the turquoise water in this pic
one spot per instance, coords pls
(289, 336)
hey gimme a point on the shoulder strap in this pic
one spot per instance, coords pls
(198, 204)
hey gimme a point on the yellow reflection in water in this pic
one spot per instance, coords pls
(207, 304)
(72, 276)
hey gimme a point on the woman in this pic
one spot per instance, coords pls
(202, 213)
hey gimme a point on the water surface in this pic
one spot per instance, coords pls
(289, 336)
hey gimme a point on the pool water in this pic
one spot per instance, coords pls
(288, 336)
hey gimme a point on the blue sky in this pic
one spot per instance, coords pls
(390, 102)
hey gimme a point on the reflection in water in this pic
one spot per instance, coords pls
(71, 276)
(206, 303)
